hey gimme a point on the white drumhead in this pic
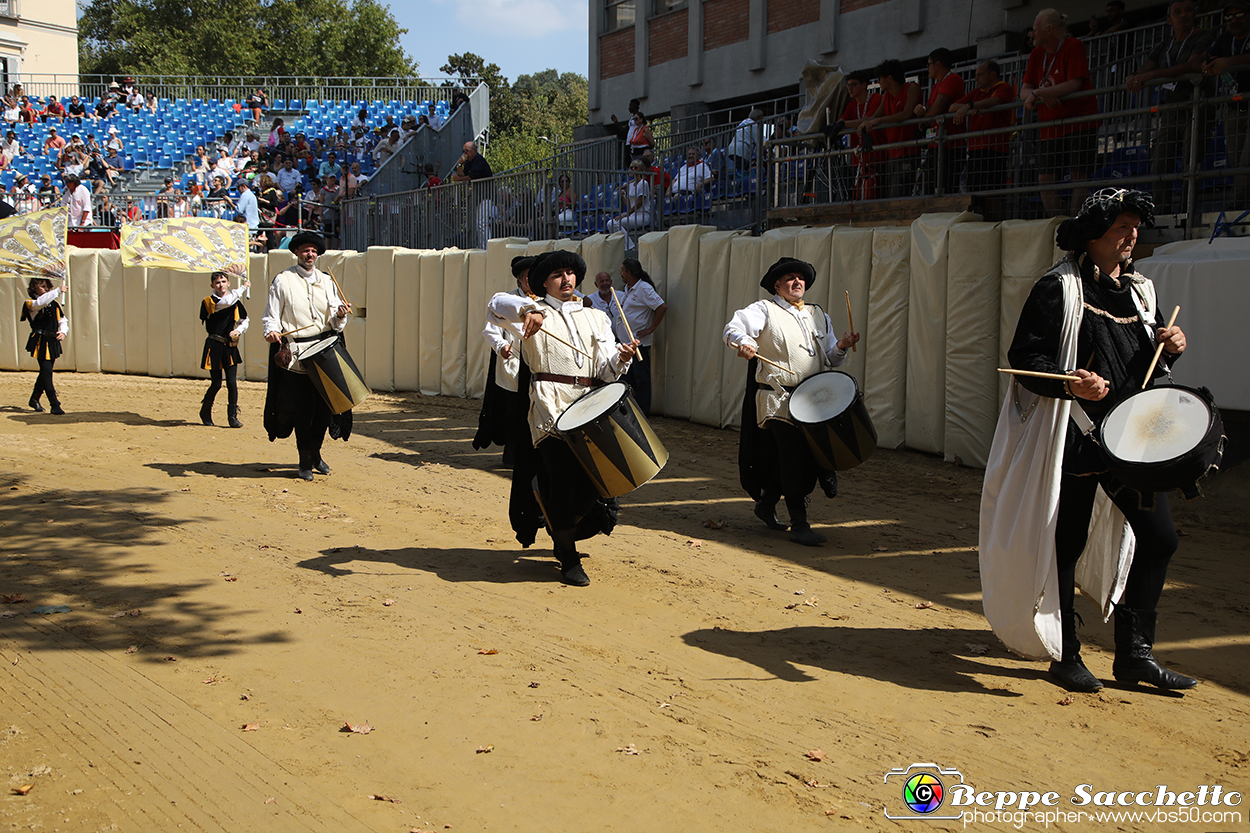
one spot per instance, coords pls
(305, 351)
(822, 397)
(1156, 425)
(591, 406)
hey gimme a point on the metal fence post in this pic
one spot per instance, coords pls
(1192, 220)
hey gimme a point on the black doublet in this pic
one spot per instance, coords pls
(220, 323)
(44, 326)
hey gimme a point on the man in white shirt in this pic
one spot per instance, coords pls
(288, 177)
(247, 205)
(602, 300)
(643, 309)
(694, 176)
(436, 121)
(741, 149)
(304, 307)
(78, 199)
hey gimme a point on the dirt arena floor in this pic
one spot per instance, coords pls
(188, 632)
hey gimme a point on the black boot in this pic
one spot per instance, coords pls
(34, 404)
(233, 414)
(800, 530)
(305, 465)
(564, 546)
(766, 511)
(206, 408)
(1070, 672)
(1134, 662)
(56, 409)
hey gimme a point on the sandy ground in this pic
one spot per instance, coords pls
(682, 690)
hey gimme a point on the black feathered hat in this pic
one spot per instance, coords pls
(1098, 213)
(520, 263)
(548, 262)
(784, 267)
(306, 237)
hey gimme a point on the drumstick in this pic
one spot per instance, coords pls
(781, 367)
(342, 294)
(1150, 371)
(296, 330)
(1062, 377)
(628, 331)
(850, 323)
(550, 334)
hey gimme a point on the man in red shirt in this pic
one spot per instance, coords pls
(1058, 68)
(899, 98)
(860, 106)
(948, 88)
(659, 179)
(987, 155)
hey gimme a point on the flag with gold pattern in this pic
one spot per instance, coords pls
(186, 244)
(33, 245)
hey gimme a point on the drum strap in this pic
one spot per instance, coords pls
(1081, 418)
(580, 381)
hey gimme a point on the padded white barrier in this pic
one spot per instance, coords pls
(851, 267)
(603, 253)
(926, 331)
(407, 347)
(455, 322)
(85, 326)
(253, 346)
(708, 356)
(778, 243)
(13, 335)
(431, 315)
(682, 316)
(187, 291)
(885, 365)
(159, 306)
(1028, 251)
(499, 254)
(354, 281)
(538, 247)
(111, 302)
(477, 352)
(566, 244)
(379, 298)
(135, 318)
(743, 289)
(653, 255)
(972, 297)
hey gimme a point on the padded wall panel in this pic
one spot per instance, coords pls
(776, 244)
(1028, 251)
(708, 355)
(499, 254)
(187, 290)
(135, 316)
(603, 253)
(380, 333)
(742, 290)
(353, 279)
(160, 356)
(926, 331)
(253, 346)
(111, 302)
(407, 344)
(851, 271)
(430, 351)
(972, 297)
(566, 244)
(682, 316)
(455, 322)
(885, 365)
(477, 353)
(653, 255)
(13, 334)
(83, 299)
(538, 247)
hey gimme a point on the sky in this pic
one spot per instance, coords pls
(521, 36)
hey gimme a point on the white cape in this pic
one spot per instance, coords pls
(1020, 507)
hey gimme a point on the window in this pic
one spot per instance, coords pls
(618, 14)
(662, 6)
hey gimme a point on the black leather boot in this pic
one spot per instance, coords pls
(800, 530)
(564, 546)
(233, 414)
(1070, 671)
(206, 408)
(766, 511)
(1134, 662)
(34, 402)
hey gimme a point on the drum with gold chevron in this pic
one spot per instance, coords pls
(612, 440)
(829, 409)
(333, 373)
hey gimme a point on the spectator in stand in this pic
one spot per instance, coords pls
(78, 199)
(423, 120)
(54, 144)
(1181, 54)
(1058, 68)
(133, 210)
(389, 126)
(114, 141)
(23, 187)
(348, 185)
(101, 170)
(248, 205)
(987, 155)
(92, 144)
(361, 179)
(386, 149)
(77, 110)
(105, 108)
(12, 112)
(408, 127)
(660, 180)
(361, 121)
(288, 177)
(277, 133)
(152, 104)
(54, 111)
(329, 199)
(1229, 59)
(257, 102)
(899, 98)
(224, 166)
(12, 147)
(621, 131)
(858, 108)
(1115, 21)
(217, 200)
(458, 99)
(134, 101)
(27, 114)
(693, 177)
(741, 148)
(4, 161)
(432, 179)
(563, 199)
(471, 165)
(195, 199)
(165, 200)
(638, 139)
(105, 213)
(251, 142)
(636, 197)
(330, 167)
(436, 121)
(947, 88)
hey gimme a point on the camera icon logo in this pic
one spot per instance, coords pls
(922, 789)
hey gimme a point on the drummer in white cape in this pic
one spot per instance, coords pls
(774, 458)
(304, 304)
(1051, 514)
(559, 376)
(501, 375)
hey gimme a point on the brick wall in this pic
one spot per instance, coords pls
(726, 22)
(667, 36)
(616, 53)
(852, 5)
(786, 14)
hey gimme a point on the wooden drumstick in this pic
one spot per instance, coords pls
(1150, 371)
(628, 331)
(850, 323)
(565, 343)
(342, 294)
(297, 329)
(1062, 377)
(780, 367)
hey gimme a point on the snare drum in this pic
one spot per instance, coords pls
(829, 409)
(612, 440)
(333, 373)
(1164, 437)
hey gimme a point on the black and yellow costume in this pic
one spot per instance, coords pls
(45, 323)
(221, 356)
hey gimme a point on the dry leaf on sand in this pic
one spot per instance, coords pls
(358, 728)
(488, 651)
(384, 798)
(481, 750)
(251, 727)
(22, 790)
(815, 754)
(923, 605)
(12, 598)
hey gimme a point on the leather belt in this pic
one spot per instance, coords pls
(580, 381)
(46, 333)
(216, 337)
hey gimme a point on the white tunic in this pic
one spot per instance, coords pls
(499, 336)
(303, 300)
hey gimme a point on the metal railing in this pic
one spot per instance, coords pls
(402, 171)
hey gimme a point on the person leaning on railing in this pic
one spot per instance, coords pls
(899, 98)
(1229, 59)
